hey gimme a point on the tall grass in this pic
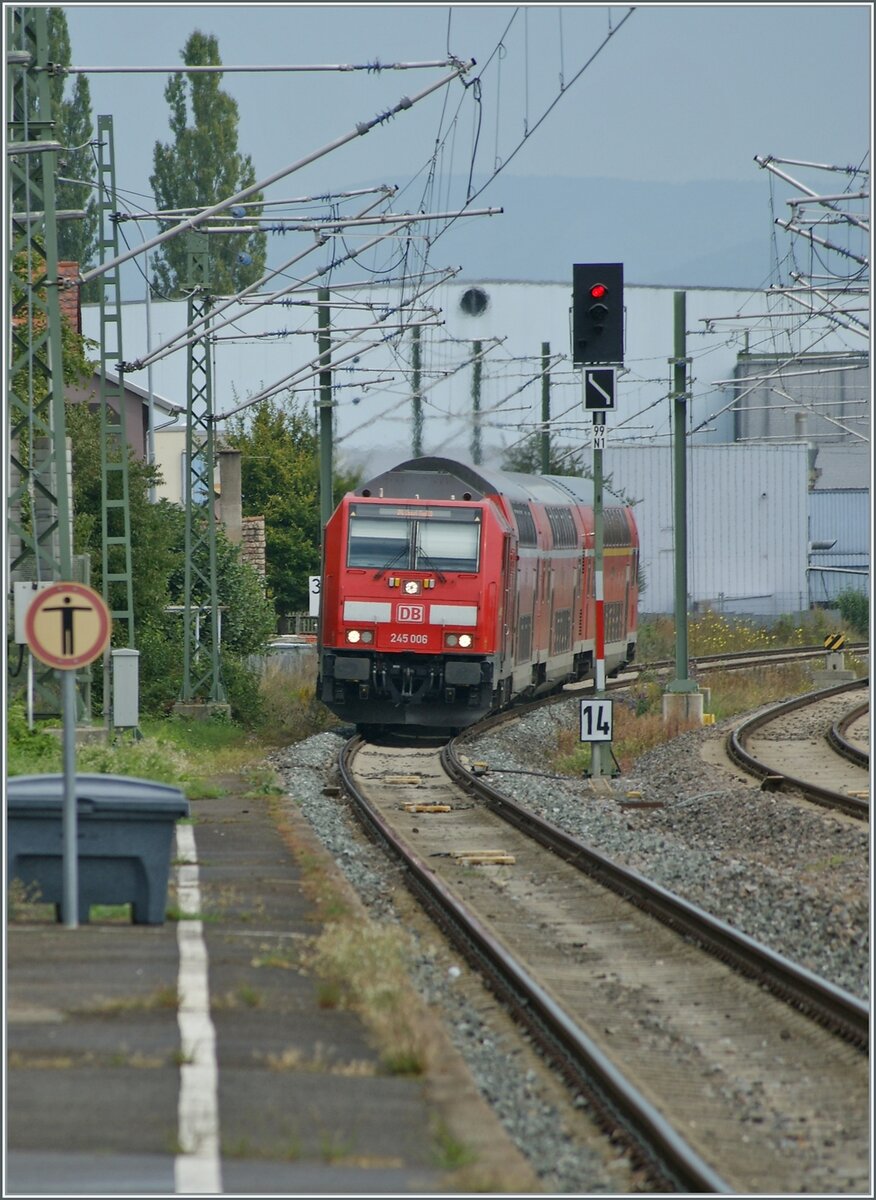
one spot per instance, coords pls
(638, 724)
(711, 632)
(290, 708)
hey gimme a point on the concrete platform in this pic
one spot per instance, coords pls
(95, 1058)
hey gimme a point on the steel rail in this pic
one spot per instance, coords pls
(580, 1060)
(853, 806)
(818, 998)
(836, 736)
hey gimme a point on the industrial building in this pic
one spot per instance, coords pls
(778, 412)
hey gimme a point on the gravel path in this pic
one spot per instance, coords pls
(787, 874)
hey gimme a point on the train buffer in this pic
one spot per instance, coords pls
(835, 662)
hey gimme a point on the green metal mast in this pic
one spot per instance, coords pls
(39, 503)
(682, 681)
(202, 681)
(326, 411)
(417, 404)
(545, 438)
(116, 570)
(476, 404)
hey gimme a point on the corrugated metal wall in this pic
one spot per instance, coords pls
(748, 529)
(820, 397)
(844, 515)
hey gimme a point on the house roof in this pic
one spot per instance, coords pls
(166, 406)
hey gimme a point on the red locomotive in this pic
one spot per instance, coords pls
(449, 590)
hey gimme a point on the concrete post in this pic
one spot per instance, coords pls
(230, 504)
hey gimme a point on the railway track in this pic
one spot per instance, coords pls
(801, 746)
(850, 736)
(589, 954)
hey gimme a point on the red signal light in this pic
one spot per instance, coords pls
(598, 290)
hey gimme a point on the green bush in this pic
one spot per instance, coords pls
(29, 752)
(242, 689)
(855, 611)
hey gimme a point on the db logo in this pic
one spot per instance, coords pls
(412, 613)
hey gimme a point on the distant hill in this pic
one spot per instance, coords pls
(702, 234)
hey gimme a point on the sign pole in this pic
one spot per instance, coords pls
(70, 827)
(68, 626)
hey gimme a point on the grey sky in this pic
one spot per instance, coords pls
(684, 92)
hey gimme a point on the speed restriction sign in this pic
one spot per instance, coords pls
(596, 720)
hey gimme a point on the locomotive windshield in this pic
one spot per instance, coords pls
(419, 539)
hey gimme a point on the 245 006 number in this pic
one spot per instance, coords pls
(409, 639)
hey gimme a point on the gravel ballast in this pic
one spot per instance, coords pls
(786, 873)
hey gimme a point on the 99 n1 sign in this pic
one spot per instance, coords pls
(596, 720)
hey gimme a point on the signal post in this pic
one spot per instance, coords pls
(598, 345)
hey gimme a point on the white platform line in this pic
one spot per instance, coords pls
(197, 1167)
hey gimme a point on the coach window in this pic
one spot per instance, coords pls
(379, 542)
(447, 546)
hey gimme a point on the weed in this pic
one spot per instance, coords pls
(277, 959)
(363, 966)
(449, 1152)
(825, 864)
(291, 710)
(262, 782)
(243, 996)
(240, 1147)
(249, 996)
(162, 997)
(23, 899)
(639, 725)
(292, 1150)
(333, 1147)
(117, 914)
(329, 994)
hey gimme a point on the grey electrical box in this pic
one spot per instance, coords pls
(22, 595)
(126, 688)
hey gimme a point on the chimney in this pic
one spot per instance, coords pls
(230, 505)
(69, 298)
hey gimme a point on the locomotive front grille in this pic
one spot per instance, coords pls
(403, 680)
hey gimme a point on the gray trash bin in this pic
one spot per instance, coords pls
(125, 834)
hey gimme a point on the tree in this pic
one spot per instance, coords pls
(201, 167)
(158, 569)
(279, 467)
(525, 457)
(74, 128)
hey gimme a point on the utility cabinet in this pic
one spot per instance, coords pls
(125, 833)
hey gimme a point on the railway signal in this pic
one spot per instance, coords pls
(597, 313)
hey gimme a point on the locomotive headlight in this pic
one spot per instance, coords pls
(353, 635)
(367, 636)
(451, 639)
(465, 639)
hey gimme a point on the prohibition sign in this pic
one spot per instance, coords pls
(67, 626)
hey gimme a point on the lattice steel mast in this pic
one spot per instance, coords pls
(38, 505)
(201, 664)
(116, 569)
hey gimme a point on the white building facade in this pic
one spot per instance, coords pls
(482, 349)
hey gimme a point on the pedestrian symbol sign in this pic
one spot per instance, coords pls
(67, 626)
